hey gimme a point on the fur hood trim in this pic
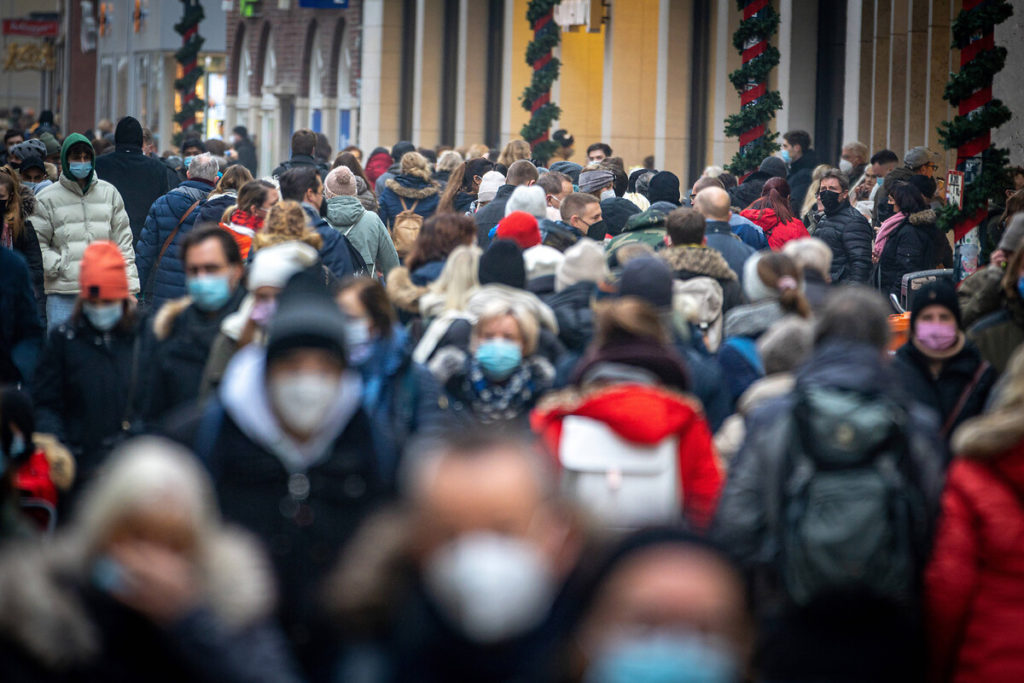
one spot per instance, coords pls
(702, 260)
(41, 608)
(28, 202)
(991, 435)
(926, 217)
(163, 322)
(402, 292)
(428, 190)
(447, 363)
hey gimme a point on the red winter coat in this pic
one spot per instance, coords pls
(776, 232)
(975, 581)
(646, 415)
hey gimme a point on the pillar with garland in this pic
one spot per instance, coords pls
(758, 104)
(970, 132)
(536, 98)
(191, 70)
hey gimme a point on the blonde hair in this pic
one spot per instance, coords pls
(415, 164)
(811, 198)
(449, 160)
(514, 151)
(477, 150)
(287, 222)
(459, 278)
(529, 328)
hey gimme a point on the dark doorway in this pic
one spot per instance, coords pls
(408, 69)
(495, 72)
(831, 80)
(450, 71)
(701, 67)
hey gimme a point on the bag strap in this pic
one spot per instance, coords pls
(208, 432)
(133, 380)
(402, 202)
(167, 244)
(962, 401)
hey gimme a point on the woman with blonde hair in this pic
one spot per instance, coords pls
(514, 151)
(413, 189)
(810, 213)
(287, 222)
(446, 300)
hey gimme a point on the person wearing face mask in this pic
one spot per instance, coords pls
(292, 450)
(170, 220)
(583, 213)
(939, 366)
(598, 182)
(999, 334)
(854, 159)
(69, 215)
(190, 149)
(400, 396)
(470, 579)
(844, 230)
(87, 386)
(801, 159)
(33, 174)
(501, 378)
(907, 242)
(662, 605)
(177, 342)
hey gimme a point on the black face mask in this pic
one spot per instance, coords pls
(829, 200)
(885, 212)
(597, 231)
(3, 209)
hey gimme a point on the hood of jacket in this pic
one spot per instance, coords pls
(411, 187)
(926, 217)
(764, 390)
(766, 218)
(849, 366)
(28, 202)
(70, 140)
(752, 320)
(700, 260)
(344, 211)
(638, 413)
(163, 321)
(402, 291)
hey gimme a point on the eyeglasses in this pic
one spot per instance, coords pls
(934, 167)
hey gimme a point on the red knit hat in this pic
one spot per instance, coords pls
(102, 274)
(521, 228)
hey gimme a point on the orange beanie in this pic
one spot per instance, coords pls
(102, 274)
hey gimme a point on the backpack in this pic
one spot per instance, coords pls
(852, 519)
(621, 483)
(406, 229)
(699, 300)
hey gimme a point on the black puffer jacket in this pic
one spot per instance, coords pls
(850, 238)
(911, 247)
(572, 308)
(744, 194)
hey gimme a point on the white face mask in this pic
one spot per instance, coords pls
(607, 194)
(492, 586)
(846, 166)
(103, 316)
(302, 400)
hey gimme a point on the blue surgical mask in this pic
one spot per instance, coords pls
(187, 161)
(879, 181)
(785, 155)
(499, 357)
(360, 341)
(103, 316)
(209, 292)
(607, 194)
(29, 184)
(1020, 287)
(663, 657)
(80, 169)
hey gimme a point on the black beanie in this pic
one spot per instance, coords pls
(650, 279)
(937, 292)
(502, 264)
(401, 149)
(128, 132)
(307, 318)
(664, 187)
(615, 212)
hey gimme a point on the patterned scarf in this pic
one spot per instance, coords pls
(492, 402)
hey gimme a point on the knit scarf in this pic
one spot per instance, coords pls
(884, 232)
(244, 219)
(492, 402)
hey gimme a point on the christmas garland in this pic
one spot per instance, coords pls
(536, 97)
(757, 104)
(188, 57)
(970, 131)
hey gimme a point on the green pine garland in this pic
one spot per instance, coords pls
(762, 110)
(541, 81)
(186, 54)
(979, 73)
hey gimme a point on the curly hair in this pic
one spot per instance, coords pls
(416, 165)
(287, 222)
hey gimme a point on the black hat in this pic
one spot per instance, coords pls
(664, 187)
(773, 166)
(401, 149)
(193, 142)
(241, 130)
(128, 132)
(502, 264)
(32, 162)
(937, 292)
(569, 168)
(649, 279)
(615, 212)
(633, 177)
(307, 318)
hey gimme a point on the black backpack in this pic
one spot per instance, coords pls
(853, 520)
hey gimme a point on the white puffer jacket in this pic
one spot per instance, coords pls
(67, 220)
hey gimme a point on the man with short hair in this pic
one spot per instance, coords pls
(689, 256)
(303, 184)
(171, 218)
(12, 137)
(846, 428)
(244, 148)
(882, 162)
(854, 160)
(921, 161)
(520, 173)
(149, 144)
(844, 230)
(140, 179)
(751, 233)
(797, 153)
(583, 212)
(713, 204)
(598, 152)
(303, 146)
(177, 344)
(557, 186)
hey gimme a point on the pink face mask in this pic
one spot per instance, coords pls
(263, 311)
(936, 336)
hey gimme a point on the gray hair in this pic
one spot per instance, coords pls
(854, 314)
(810, 253)
(204, 167)
(448, 161)
(786, 344)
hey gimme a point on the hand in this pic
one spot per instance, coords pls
(159, 583)
(998, 258)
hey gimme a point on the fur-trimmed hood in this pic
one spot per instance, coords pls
(163, 321)
(926, 217)
(990, 435)
(411, 187)
(28, 202)
(698, 260)
(42, 610)
(402, 292)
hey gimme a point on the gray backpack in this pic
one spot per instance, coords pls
(852, 518)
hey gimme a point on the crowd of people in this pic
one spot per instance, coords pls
(460, 415)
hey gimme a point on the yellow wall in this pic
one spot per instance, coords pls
(634, 46)
(521, 72)
(581, 84)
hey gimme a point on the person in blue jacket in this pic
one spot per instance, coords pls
(303, 184)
